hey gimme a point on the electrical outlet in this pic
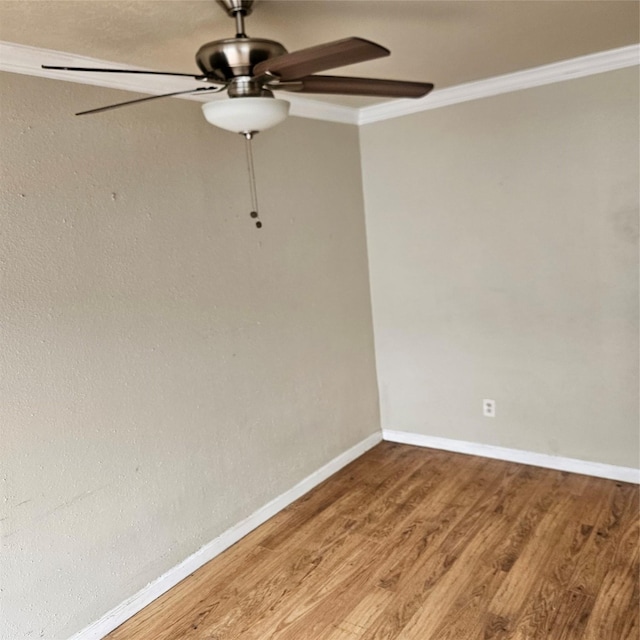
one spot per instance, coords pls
(489, 408)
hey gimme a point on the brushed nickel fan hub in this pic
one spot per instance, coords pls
(246, 87)
(232, 58)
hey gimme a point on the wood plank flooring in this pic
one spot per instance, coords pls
(416, 544)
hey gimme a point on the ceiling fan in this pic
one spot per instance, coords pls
(250, 69)
(255, 67)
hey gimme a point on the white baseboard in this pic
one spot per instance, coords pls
(114, 618)
(155, 589)
(585, 467)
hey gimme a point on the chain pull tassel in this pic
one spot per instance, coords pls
(252, 179)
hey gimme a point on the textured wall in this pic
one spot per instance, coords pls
(166, 367)
(503, 255)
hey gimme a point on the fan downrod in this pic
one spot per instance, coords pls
(237, 9)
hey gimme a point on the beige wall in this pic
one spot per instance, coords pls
(166, 367)
(503, 254)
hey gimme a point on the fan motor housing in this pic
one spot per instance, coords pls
(235, 57)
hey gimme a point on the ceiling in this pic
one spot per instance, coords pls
(447, 42)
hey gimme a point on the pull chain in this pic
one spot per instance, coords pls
(252, 179)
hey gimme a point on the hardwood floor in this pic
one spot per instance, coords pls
(417, 544)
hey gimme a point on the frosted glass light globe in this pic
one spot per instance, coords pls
(246, 115)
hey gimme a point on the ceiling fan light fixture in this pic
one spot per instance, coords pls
(246, 115)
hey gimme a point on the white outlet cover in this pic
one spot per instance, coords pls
(489, 408)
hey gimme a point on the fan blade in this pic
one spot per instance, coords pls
(356, 86)
(291, 66)
(153, 73)
(162, 95)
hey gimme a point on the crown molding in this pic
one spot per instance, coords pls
(26, 60)
(535, 77)
(318, 110)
